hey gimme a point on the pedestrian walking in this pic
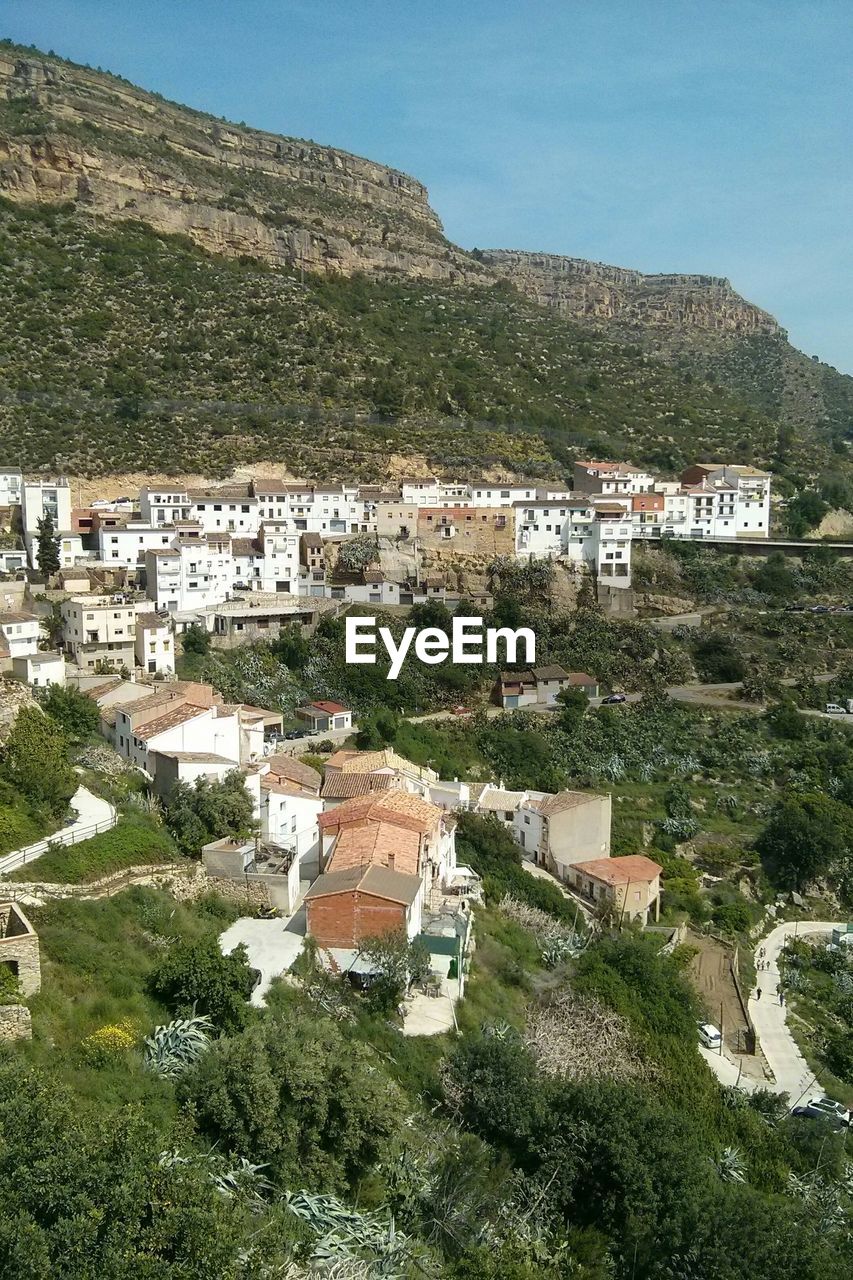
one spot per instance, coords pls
(758, 993)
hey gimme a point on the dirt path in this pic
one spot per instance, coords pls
(711, 975)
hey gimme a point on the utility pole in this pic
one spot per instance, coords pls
(721, 1028)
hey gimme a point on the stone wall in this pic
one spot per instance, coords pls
(15, 1022)
(19, 948)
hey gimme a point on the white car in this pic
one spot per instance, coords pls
(825, 1109)
(710, 1036)
(833, 709)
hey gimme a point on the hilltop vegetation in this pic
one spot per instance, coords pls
(120, 343)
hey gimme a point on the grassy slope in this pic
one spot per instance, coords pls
(135, 841)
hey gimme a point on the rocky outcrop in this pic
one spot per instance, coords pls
(116, 150)
(593, 291)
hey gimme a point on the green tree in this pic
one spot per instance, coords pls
(209, 810)
(196, 639)
(84, 1191)
(195, 977)
(35, 761)
(47, 553)
(573, 704)
(807, 837)
(804, 512)
(395, 963)
(291, 1092)
(76, 715)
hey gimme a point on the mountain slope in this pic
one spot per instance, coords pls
(699, 324)
(196, 293)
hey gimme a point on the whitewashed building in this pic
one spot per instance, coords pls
(20, 632)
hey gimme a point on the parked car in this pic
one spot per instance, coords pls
(835, 709)
(295, 733)
(825, 1109)
(710, 1036)
(613, 698)
(795, 608)
(819, 608)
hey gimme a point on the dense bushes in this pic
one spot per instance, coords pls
(486, 846)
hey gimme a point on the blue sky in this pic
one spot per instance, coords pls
(667, 135)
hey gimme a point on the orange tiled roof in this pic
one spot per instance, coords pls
(170, 720)
(380, 843)
(635, 867)
(400, 808)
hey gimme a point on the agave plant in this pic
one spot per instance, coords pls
(244, 1178)
(348, 1234)
(731, 1165)
(174, 1047)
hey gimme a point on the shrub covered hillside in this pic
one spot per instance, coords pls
(119, 343)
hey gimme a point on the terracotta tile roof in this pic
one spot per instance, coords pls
(563, 800)
(580, 678)
(395, 886)
(100, 690)
(283, 787)
(636, 867)
(369, 761)
(11, 616)
(553, 672)
(170, 720)
(330, 708)
(400, 808)
(292, 770)
(343, 786)
(244, 547)
(518, 677)
(495, 800)
(151, 702)
(151, 620)
(379, 843)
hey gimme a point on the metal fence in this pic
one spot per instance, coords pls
(67, 836)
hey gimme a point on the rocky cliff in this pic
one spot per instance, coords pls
(71, 134)
(630, 300)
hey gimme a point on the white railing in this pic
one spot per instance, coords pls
(67, 836)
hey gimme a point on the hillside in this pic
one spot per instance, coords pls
(698, 324)
(182, 293)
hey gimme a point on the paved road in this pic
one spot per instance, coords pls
(792, 1074)
(93, 816)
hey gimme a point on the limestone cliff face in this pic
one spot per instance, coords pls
(592, 291)
(119, 151)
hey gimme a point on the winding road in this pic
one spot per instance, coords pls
(791, 1073)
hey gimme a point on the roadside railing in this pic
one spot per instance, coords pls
(67, 836)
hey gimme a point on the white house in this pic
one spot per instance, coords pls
(164, 505)
(324, 716)
(154, 645)
(192, 573)
(171, 721)
(40, 670)
(228, 510)
(53, 497)
(612, 478)
(21, 632)
(127, 544)
(11, 484)
(99, 630)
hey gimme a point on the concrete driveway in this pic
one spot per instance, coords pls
(272, 946)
